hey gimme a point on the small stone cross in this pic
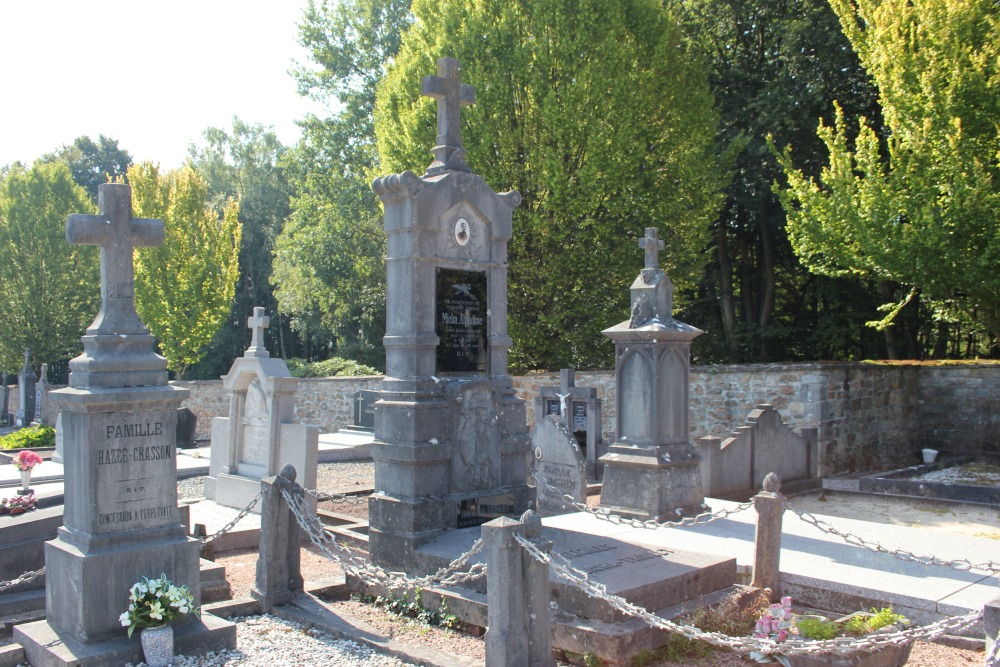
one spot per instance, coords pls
(257, 323)
(652, 244)
(451, 95)
(117, 232)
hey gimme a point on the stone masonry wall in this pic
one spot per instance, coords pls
(867, 414)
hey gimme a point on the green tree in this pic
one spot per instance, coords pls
(599, 114)
(243, 164)
(93, 162)
(185, 287)
(920, 206)
(329, 269)
(50, 289)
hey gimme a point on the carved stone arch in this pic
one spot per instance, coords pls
(672, 381)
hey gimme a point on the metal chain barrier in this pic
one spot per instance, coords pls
(452, 574)
(336, 498)
(993, 659)
(791, 646)
(23, 579)
(229, 526)
(961, 564)
(648, 524)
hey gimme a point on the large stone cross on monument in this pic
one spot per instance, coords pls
(652, 244)
(451, 95)
(117, 232)
(257, 323)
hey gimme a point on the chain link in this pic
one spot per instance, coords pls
(451, 575)
(648, 524)
(229, 526)
(23, 579)
(961, 564)
(791, 646)
(993, 659)
(336, 498)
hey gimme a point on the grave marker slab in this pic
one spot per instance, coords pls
(559, 461)
(582, 414)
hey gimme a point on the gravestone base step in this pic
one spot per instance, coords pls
(44, 646)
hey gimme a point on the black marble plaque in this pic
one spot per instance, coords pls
(553, 407)
(460, 321)
(579, 416)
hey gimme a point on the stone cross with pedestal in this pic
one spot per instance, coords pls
(121, 521)
(451, 439)
(652, 470)
(259, 436)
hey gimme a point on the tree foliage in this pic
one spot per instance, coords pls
(599, 114)
(921, 205)
(185, 287)
(50, 288)
(242, 163)
(94, 162)
(329, 269)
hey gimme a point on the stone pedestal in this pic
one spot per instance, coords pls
(652, 471)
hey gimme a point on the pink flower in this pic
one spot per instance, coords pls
(26, 459)
(782, 635)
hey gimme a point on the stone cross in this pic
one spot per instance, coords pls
(652, 244)
(451, 95)
(257, 323)
(117, 232)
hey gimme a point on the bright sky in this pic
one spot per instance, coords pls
(152, 74)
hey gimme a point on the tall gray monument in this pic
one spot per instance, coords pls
(652, 470)
(118, 418)
(26, 382)
(451, 439)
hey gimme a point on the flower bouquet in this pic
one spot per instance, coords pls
(26, 459)
(18, 505)
(156, 602)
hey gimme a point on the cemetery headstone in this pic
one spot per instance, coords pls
(451, 439)
(560, 466)
(42, 395)
(582, 415)
(260, 435)
(652, 470)
(4, 401)
(364, 410)
(121, 521)
(187, 427)
(26, 381)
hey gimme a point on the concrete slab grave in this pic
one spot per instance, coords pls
(121, 521)
(451, 439)
(260, 435)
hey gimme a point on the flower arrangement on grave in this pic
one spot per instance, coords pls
(156, 602)
(18, 504)
(26, 459)
(778, 623)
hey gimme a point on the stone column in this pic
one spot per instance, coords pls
(279, 577)
(767, 540)
(506, 636)
(537, 589)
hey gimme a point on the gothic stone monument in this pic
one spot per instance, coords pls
(121, 520)
(258, 437)
(451, 443)
(652, 470)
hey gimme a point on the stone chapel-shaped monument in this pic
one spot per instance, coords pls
(451, 438)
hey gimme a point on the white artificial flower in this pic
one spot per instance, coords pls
(125, 620)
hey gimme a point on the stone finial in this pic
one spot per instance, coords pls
(772, 483)
(257, 323)
(532, 524)
(288, 472)
(652, 244)
(451, 95)
(118, 233)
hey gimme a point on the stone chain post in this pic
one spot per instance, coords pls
(767, 540)
(991, 625)
(279, 577)
(506, 633)
(538, 590)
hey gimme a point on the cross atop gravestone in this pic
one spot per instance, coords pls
(257, 323)
(117, 232)
(652, 244)
(451, 95)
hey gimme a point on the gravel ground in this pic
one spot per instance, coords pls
(259, 636)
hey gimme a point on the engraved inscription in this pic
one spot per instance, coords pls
(626, 560)
(460, 321)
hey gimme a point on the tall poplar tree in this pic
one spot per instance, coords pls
(184, 288)
(920, 206)
(50, 289)
(599, 114)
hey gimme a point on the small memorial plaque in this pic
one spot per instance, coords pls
(579, 416)
(552, 407)
(460, 321)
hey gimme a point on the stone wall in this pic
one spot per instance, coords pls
(867, 414)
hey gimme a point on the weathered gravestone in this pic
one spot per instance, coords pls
(26, 381)
(364, 410)
(559, 467)
(4, 401)
(580, 409)
(652, 470)
(451, 442)
(259, 436)
(121, 520)
(42, 395)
